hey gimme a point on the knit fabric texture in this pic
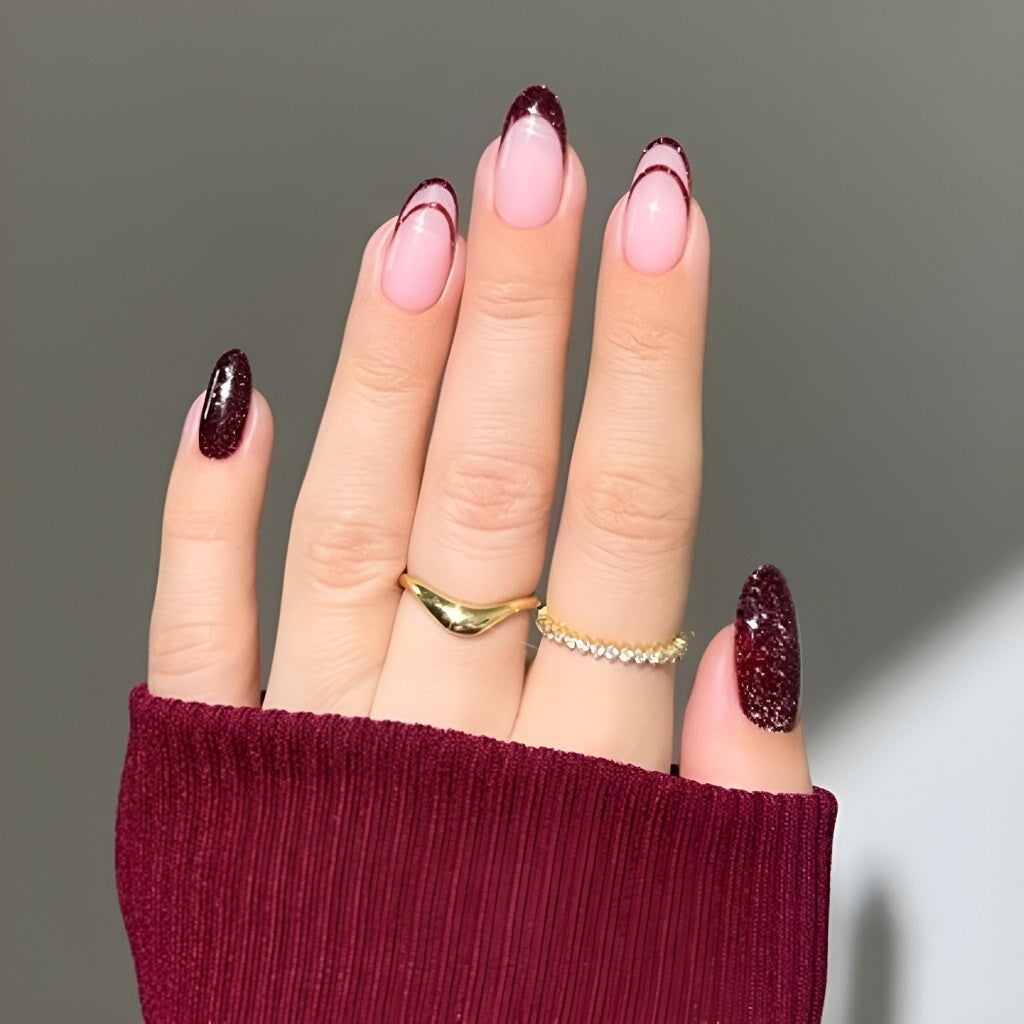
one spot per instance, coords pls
(293, 868)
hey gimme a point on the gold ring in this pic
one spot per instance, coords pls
(459, 617)
(666, 653)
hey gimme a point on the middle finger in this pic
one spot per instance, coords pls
(481, 522)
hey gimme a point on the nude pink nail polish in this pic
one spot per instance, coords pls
(657, 210)
(419, 257)
(768, 651)
(530, 168)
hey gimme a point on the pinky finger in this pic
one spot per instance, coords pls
(204, 633)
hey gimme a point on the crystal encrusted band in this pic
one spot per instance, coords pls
(665, 653)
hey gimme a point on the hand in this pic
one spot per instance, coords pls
(462, 499)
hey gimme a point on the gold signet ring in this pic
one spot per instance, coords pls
(461, 618)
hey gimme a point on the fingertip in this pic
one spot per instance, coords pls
(721, 746)
(255, 440)
(693, 264)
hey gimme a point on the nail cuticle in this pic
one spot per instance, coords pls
(226, 406)
(767, 651)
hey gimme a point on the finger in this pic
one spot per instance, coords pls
(204, 635)
(350, 531)
(621, 564)
(481, 523)
(742, 727)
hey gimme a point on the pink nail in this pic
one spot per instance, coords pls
(654, 225)
(531, 160)
(419, 258)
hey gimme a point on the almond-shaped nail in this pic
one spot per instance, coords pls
(226, 406)
(530, 169)
(658, 208)
(419, 257)
(768, 651)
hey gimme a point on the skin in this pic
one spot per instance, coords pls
(463, 501)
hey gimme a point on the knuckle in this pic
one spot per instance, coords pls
(636, 513)
(383, 379)
(194, 524)
(501, 492)
(643, 340)
(345, 551)
(183, 649)
(517, 304)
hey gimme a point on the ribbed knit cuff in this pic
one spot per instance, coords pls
(293, 868)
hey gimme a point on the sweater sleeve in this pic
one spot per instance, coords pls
(293, 868)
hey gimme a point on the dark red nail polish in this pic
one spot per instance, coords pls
(768, 651)
(427, 186)
(541, 101)
(433, 194)
(226, 406)
(667, 140)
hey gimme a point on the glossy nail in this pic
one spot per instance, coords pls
(658, 207)
(419, 257)
(226, 406)
(530, 168)
(768, 651)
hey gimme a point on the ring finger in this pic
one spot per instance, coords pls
(621, 564)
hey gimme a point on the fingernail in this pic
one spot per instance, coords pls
(419, 257)
(768, 651)
(666, 151)
(658, 207)
(226, 406)
(531, 159)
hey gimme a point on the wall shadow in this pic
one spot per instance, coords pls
(872, 997)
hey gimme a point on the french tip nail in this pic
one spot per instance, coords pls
(438, 187)
(667, 140)
(226, 406)
(540, 101)
(673, 174)
(767, 651)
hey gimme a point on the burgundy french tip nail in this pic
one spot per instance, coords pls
(667, 140)
(665, 169)
(538, 100)
(768, 651)
(226, 406)
(438, 194)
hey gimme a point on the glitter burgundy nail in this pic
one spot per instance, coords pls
(226, 406)
(540, 101)
(768, 651)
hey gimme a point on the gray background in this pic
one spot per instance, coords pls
(180, 178)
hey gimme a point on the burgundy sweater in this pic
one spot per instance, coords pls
(293, 868)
